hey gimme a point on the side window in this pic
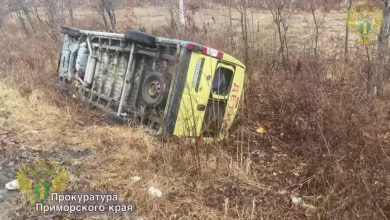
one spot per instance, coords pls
(222, 81)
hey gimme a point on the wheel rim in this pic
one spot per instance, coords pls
(154, 89)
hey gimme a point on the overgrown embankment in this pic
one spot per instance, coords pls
(326, 141)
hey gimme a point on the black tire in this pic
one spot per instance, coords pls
(154, 95)
(73, 32)
(141, 38)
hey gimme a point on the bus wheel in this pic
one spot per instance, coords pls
(73, 32)
(155, 89)
(141, 38)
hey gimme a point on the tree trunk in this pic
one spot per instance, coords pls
(346, 47)
(111, 16)
(109, 9)
(70, 10)
(383, 40)
(182, 17)
(103, 14)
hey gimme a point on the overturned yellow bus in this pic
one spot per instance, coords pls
(170, 87)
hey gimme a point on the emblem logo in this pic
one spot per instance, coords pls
(37, 181)
(366, 22)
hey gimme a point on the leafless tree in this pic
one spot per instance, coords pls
(70, 10)
(49, 14)
(380, 63)
(242, 8)
(172, 15)
(21, 10)
(182, 17)
(106, 10)
(277, 9)
(314, 5)
(346, 47)
(43, 15)
(230, 28)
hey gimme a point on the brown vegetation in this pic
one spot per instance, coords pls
(326, 139)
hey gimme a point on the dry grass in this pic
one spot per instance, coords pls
(44, 124)
(340, 135)
(325, 139)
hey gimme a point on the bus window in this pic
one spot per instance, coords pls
(222, 81)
